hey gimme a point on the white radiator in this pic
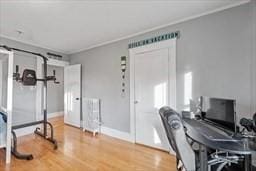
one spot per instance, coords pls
(91, 115)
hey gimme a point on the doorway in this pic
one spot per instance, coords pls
(72, 91)
(72, 98)
(55, 92)
(153, 85)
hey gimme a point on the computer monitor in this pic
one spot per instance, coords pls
(220, 111)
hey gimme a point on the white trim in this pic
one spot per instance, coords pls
(9, 107)
(33, 44)
(30, 130)
(2, 145)
(39, 87)
(117, 134)
(53, 62)
(66, 107)
(1, 77)
(171, 45)
(5, 52)
(132, 96)
(56, 62)
(26, 131)
(162, 26)
(55, 114)
(9, 103)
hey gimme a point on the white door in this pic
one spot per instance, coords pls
(72, 96)
(151, 80)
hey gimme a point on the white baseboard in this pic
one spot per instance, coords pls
(55, 114)
(117, 134)
(25, 131)
(30, 130)
(124, 136)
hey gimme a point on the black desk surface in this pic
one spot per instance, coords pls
(215, 138)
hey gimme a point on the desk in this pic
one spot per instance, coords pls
(208, 136)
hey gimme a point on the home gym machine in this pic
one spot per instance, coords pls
(29, 78)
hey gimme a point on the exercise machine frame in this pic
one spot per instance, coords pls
(44, 122)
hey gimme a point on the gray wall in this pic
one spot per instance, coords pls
(24, 100)
(254, 56)
(24, 97)
(3, 80)
(216, 48)
(101, 78)
(55, 94)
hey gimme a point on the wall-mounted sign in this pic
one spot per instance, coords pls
(154, 39)
(123, 69)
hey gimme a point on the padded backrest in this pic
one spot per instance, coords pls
(177, 137)
(29, 77)
(164, 113)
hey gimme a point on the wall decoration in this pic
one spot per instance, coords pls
(123, 69)
(154, 39)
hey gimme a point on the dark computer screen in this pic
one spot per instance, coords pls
(220, 111)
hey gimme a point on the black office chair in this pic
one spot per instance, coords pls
(177, 139)
(187, 157)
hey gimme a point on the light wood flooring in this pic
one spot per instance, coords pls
(79, 150)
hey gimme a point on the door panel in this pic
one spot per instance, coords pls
(151, 93)
(72, 96)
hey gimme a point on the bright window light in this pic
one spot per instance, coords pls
(156, 137)
(160, 94)
(187, 87)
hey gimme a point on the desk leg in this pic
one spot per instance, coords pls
(203, 158)
(248, 163)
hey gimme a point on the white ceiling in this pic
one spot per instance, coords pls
(70, 26)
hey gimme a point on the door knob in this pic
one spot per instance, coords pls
(136, 102)
(77, 98)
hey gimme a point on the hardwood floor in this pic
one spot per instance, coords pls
(80, 151)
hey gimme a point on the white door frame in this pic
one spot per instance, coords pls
(171, 45)
(66, 99)
(9, 103)
(39, 71)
